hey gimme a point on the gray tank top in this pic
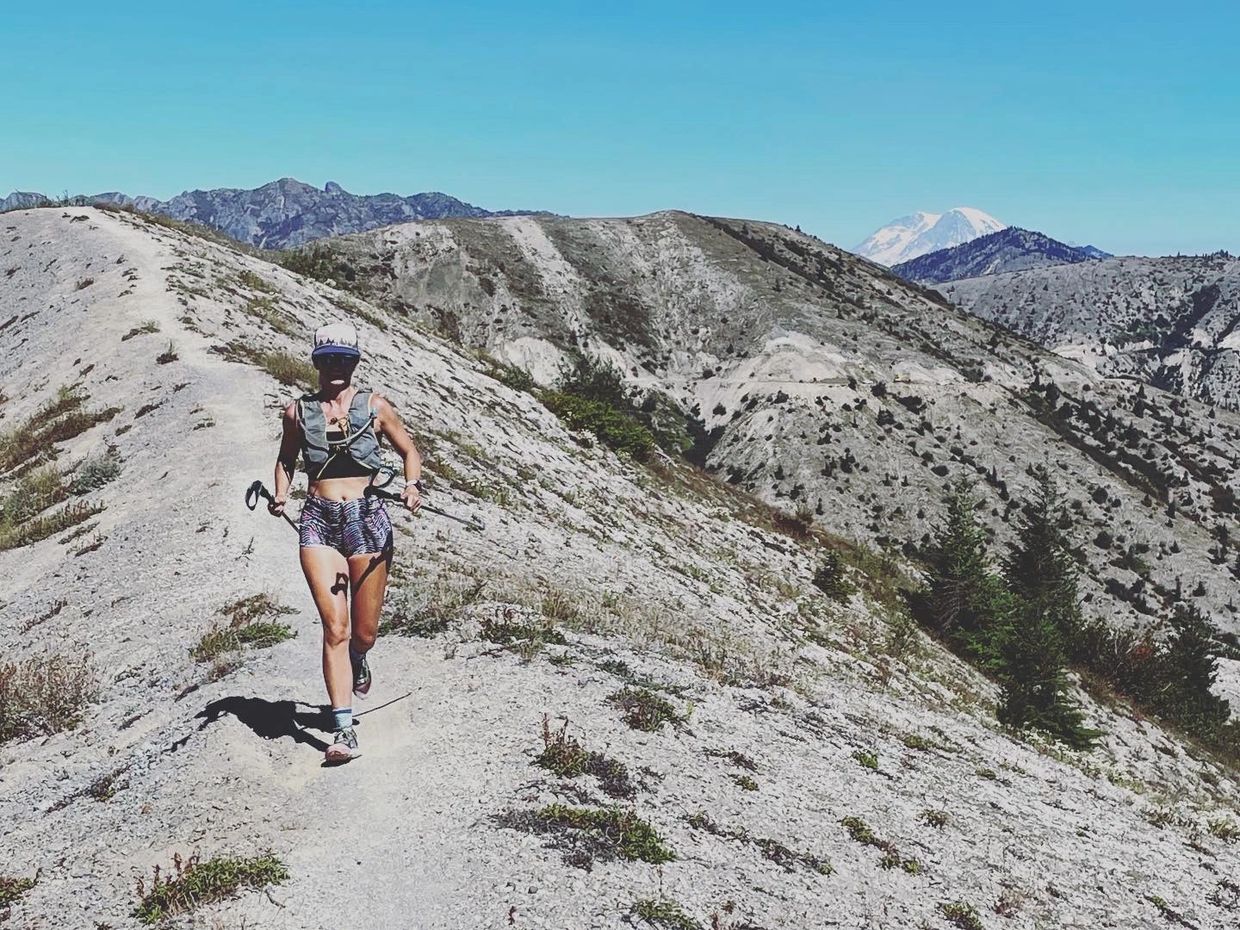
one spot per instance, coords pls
(361, 442)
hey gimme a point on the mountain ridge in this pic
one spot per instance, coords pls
(282, 213)
(1009, 249)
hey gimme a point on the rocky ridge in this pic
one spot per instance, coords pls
(282, 213)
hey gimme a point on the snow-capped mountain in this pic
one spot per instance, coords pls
(911, 236)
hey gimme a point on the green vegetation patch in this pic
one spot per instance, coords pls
(44, 694)
(613, 427)
(831, 577)
(250, 621)
(643, 709)
(663, 913)
(962, 915)
(525, 639)
(859, 831)
(12, 889)
(32, 442)
(783, 856)
(589, 834)
(567, 757)
(192, 882)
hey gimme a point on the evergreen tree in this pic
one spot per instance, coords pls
(964, 602)
(1044, 622)
(1040, 567)
(1189, 670)
(1035, 685)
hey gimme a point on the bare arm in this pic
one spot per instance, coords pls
(388, 421)
(286, 460)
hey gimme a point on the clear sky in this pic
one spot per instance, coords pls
(1116, 124)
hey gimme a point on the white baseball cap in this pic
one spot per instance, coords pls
(336, 339)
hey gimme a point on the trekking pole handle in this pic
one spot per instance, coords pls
(259, 490)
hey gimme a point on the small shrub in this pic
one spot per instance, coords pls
(505, 630)
(962, 915)
(746, 782)
(663, 913)
(865, 759)
(1225, 829)
(12, 889)
(516, 378)
(33, 441)
(428, 609)
(936, 819)
(192, 882)
(250, 621)
(104, 787)
(566, 757)
(168, 355)
(588, 833)
(738, 759)
(643, 709)
(96, 471)
(613, 427)
(40, 528)
(150, 326)
(831, 577)
(44, 694)
(254, 282)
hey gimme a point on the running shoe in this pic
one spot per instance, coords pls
(361, 676)
(344, 748)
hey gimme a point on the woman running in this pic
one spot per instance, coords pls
(346, 537)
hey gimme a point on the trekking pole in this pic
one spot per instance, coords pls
(472, 522)
(257, 490)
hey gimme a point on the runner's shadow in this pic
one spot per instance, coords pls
(269, 719)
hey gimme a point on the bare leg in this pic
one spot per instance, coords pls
(327, 572)
(368, 573)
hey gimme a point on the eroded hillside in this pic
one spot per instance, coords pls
(804, 762)
(1168, 322)
(823, 384)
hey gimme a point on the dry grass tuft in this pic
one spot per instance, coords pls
(44, 694)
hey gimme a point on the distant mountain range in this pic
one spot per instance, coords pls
(284, 213)
(1010, 249)
(912, 236)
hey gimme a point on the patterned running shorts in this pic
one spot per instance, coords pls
(357, 527)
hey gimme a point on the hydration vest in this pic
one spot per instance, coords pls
(360, 443)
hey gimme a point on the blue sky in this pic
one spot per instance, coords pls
(1111, 123)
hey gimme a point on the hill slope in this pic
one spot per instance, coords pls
(822, 383)
(651, 575)
(1170, 322)
(1010, 249)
